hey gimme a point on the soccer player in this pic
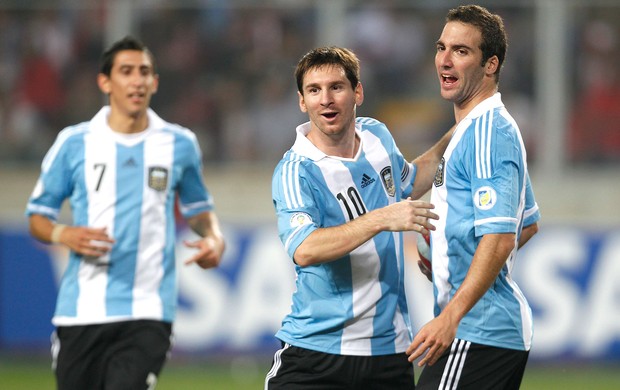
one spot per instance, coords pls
(121, 171)
(343, 196)
(481, 334)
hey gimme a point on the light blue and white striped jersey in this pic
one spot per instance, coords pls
(482, 187)
(127, 183)
(354, 305)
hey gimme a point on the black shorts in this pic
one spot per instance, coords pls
(467, 365)
(299, 368)
(118, 355)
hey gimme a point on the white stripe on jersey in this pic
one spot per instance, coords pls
(483, 131)
(440, 245)
(479, 222)
(373, 155)
(290, 179)
(93, 278)
(365, 265)
(158, 151)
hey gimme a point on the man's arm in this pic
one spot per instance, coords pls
(328, 244)
(438, 334)
(527, 233)
(92, 242)
(427, 164)
(211, 246)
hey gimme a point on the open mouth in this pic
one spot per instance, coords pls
(448, 79)
(330, 115)
(136, 95)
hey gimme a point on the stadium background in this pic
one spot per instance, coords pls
(226, 73)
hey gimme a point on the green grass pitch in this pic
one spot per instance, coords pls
(27, 373)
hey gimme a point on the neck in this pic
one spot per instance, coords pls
(345, 147)
(461, 110)
(127, 124)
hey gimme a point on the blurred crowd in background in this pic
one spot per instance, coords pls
(226, 72)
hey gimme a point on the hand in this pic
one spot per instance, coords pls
(434, 338)
(88, 242)
(410, 215)
(210, 250)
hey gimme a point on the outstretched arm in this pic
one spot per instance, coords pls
(328, 244)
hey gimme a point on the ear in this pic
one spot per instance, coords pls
(491, 66)
(302, 102)
(359, 94)
(155, 83)
(103, 81)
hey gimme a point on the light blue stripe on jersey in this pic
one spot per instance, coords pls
(67, 302)
(167, 289)
(127, 218)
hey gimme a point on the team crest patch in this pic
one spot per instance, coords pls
(388, 180)
(299, 219)
(158, 178)
(485, 198)
(439, 174)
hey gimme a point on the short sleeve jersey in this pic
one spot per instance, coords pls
(354, 305)
(482, 187)
(127, 184)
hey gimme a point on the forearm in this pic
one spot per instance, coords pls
(490, 257)
(427, 164)
(331, 243)
(41, 228)
(527, 233)
(206, 225)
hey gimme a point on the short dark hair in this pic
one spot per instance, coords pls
(332, 55)
(127, 43)
(491, 26)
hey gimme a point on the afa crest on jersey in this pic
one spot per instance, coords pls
(439, 174)
(388, 180)
(158, 178)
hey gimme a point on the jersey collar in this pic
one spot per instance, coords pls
(305, 148)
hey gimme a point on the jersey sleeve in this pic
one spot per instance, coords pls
(296, 208)
(54, 183)
(497, 179)
(194, 198)
(407, 177)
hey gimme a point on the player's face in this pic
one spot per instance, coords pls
(459, 64)
(131, 84)
(330, 101)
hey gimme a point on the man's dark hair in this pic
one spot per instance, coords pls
(491, 26)
(326, 56)
(127, 43)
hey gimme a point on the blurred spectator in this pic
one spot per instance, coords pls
(595, 130)
(225, 66)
